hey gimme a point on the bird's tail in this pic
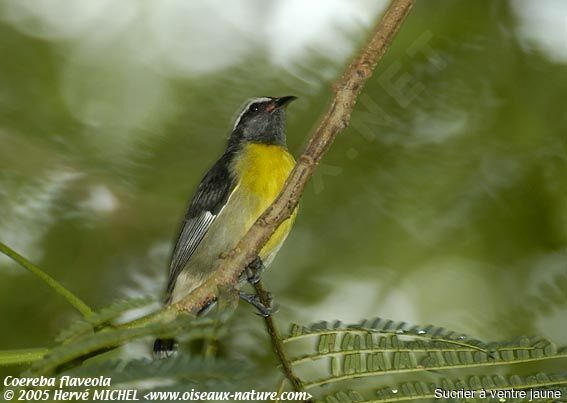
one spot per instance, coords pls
(164, 348)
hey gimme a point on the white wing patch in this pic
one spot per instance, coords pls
(193, 232)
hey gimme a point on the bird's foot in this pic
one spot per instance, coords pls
(254, 300)
(254, 270)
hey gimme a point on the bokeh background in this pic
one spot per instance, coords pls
(444, 202)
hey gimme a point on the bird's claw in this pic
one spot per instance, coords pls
(254, 270)
(254, 300)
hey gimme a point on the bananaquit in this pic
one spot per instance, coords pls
(243, 182)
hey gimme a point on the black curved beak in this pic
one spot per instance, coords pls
(283, 101)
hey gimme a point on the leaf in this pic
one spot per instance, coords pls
(378, 348)
(385, 326)
(71, 298)
(109, 338)
(549, 385)
(14, 357)
(101, 317)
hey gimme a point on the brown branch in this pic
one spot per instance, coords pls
(277, 343)
(346, 91)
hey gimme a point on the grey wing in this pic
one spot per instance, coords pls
(211, 196)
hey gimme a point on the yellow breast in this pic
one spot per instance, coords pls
(262, 170)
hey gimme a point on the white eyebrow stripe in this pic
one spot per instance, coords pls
(245, 108)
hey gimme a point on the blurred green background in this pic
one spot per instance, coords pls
(444, 202)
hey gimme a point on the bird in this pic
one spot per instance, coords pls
(232, 195)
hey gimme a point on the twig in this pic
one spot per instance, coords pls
(277, 343)
(346, 91)
(279, 390)
(25, 356)
(77, 303)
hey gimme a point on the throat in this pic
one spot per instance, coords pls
(262, 169)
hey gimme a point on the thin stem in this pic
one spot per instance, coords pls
(15, 357)
(75, 301)
(280, 389)
(166, 314)
(277, 343)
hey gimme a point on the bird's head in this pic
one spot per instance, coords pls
(262, 120)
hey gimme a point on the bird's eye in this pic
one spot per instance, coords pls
(254, 108)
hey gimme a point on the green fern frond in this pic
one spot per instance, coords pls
(103, 316)
(109, 338)
(378, 348)
(385, 326)
(484, 388)
(345, 342)
(398, 357)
